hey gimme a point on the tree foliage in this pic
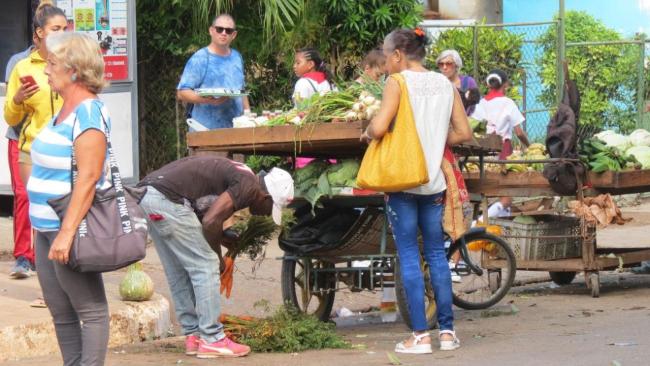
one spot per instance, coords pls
(605, 74)
(269, 32)
(357, 26)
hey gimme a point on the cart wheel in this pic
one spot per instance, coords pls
(429, 299)
(315, 299)
(562, 278)
(594, 284)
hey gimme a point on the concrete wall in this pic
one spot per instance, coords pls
(491, 10)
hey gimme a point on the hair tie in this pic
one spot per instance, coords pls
(418, 32)
(493, 76)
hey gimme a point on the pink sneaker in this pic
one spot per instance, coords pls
(222, 348)
(191, 345)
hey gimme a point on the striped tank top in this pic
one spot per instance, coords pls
(51, 161)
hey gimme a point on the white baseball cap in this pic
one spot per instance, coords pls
(279, 184)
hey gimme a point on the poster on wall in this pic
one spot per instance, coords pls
(106, 21)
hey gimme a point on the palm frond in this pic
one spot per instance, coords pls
(204, 11)
(280, 13)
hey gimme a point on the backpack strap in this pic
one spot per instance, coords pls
(312, 85)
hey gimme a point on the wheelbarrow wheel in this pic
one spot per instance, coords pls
(315, 299)
(429, 298)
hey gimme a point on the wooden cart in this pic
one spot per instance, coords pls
(368, 242)
(593, 260)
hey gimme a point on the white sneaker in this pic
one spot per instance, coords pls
(417, 347)
(449, 345)
(455, 277)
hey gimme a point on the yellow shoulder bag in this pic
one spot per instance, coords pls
(395, 162)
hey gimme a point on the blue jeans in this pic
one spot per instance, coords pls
(407, 212)
(191, 266)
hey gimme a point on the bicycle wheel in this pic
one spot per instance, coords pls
(318, 301)
(492, 256)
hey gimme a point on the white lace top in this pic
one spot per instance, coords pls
(432, 97)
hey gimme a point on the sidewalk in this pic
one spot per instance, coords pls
(29, 332)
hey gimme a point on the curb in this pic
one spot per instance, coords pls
(132, 322)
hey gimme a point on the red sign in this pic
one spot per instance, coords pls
(116, 67)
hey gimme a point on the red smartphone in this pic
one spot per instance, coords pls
(28, 80)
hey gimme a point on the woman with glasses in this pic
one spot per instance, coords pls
(449, 63)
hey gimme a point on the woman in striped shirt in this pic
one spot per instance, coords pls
(75, 70)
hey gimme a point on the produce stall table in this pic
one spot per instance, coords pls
(310, 280)
(326, 140)
(593, 259)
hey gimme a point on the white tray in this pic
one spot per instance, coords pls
(220, 92)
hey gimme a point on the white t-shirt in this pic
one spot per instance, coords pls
(432, 98)
(502, 115)
(496, 210)
(306, 87)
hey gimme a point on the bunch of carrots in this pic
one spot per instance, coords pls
(235, 326)
(254, 233)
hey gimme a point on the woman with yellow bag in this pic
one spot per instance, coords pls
(428, 114)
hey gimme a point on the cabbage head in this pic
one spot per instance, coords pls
(620, 142)
(640, 137)
(340, 174)
(642, 155)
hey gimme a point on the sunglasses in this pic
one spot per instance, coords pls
(447, 64)
(228, 31)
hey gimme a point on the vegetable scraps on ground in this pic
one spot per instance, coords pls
(288, 330)
(253, 232)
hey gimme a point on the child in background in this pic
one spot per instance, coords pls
(314, 76)
(373, 66)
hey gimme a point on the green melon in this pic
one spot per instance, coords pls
(136, 284)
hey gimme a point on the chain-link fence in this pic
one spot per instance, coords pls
(611, 82)
(162, 134)
(610, 75)
(517, 48)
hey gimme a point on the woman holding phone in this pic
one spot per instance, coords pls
(28, 93)
(30, 99)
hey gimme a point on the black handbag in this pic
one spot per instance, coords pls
(113, 234)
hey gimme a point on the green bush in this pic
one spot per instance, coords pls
(606, 75)
(169, 31)
(354, 27)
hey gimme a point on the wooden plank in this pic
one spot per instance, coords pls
(318, 140)
(624, 182)
(576, 264)
(280, 138)
(629, 259)
(559, 265)
(495, 184)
